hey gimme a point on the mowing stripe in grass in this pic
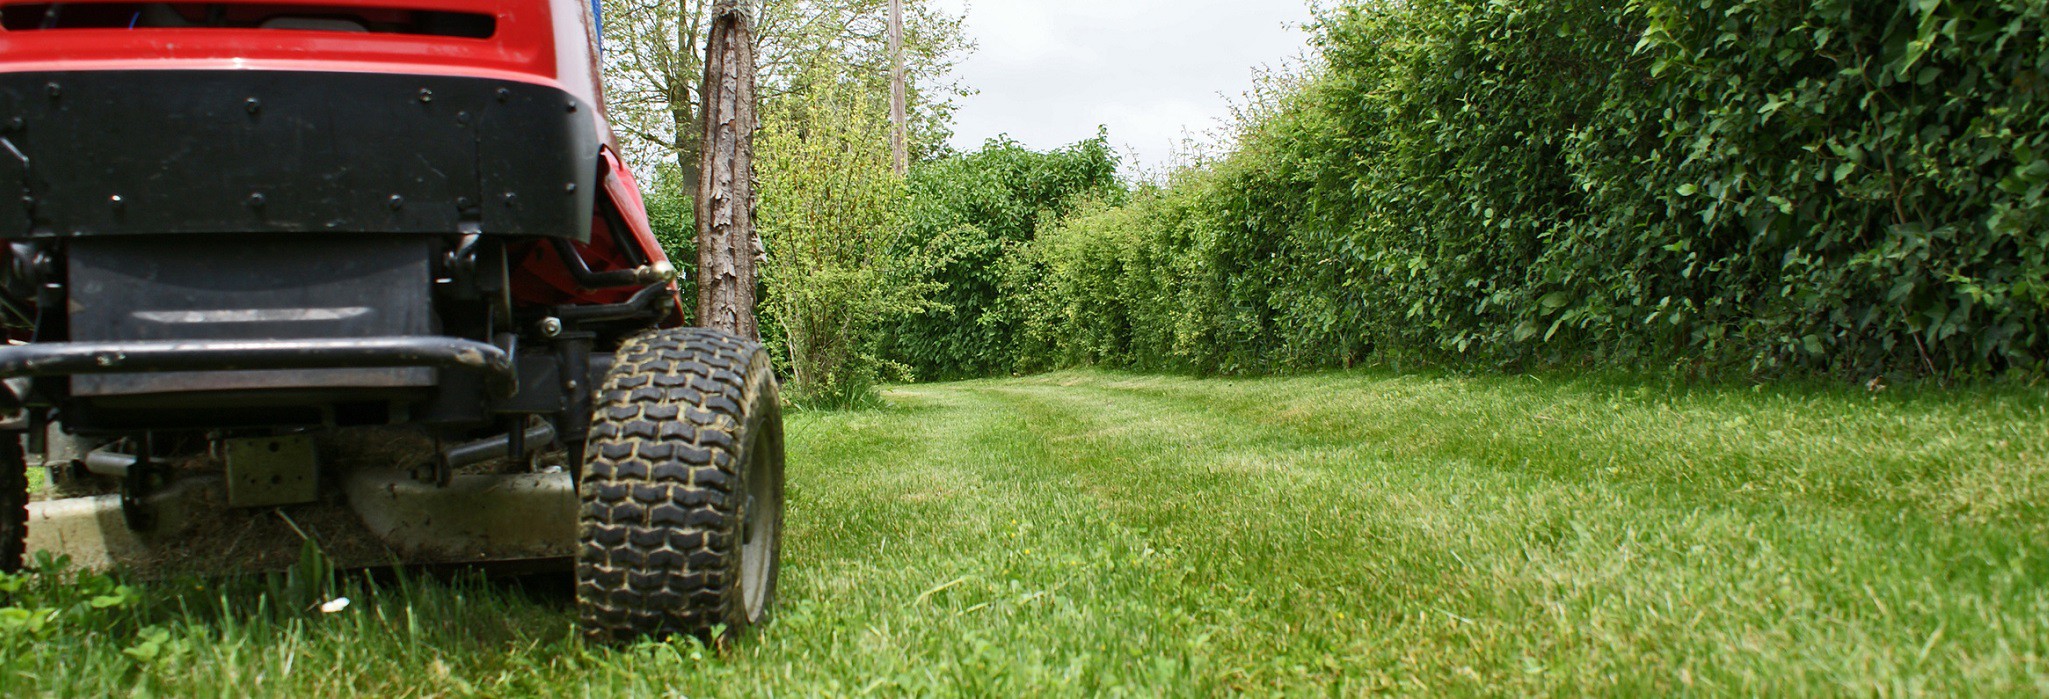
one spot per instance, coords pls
(1102, 534)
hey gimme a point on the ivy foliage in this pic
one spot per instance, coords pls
(1825, 186)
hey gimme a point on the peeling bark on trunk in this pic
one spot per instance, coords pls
(727, 245)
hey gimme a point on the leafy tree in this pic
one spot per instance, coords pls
(654, 66)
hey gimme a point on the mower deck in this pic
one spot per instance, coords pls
(386, 517)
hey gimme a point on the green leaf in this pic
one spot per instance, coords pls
(120, 596)
(1813, 345)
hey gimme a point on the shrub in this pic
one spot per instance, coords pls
(968, 219)
(829, 213)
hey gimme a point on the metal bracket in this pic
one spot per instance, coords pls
(271, 471)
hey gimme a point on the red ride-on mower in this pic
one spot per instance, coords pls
(367, 274)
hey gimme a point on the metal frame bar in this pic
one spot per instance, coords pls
(76, 358)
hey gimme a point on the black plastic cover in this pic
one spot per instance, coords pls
(94, 153)
(233, 288)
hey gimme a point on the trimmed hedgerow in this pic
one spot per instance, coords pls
(1754, 185)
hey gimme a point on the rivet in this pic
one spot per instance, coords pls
(397, 202)
(464, 203)
(55, 90)
(253, 105)
(15, 123)
(426, 95)
(511, 198)
(570, 188)
(462, 118)
(256, 200)
(504, 94)
(116, 202)
(572, 107)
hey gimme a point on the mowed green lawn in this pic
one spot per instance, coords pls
(1096, 533)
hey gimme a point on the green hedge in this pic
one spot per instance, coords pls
(971, 222)
(1764, 186)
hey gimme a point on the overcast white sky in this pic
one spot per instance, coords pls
(1050, 71)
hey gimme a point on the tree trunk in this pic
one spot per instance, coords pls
(683, 104)
(727, 244)
(687, 146)
(899, 141)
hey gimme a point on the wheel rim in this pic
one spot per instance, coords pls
(757, 548)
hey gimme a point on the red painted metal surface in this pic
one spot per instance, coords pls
(522, 48)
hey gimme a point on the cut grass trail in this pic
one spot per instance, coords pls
(1093, 533)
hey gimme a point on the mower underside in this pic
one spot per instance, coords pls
(381, 517)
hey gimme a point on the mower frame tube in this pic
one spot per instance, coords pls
(76, 358)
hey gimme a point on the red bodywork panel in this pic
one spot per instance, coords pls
(545, 42)
(522, 47)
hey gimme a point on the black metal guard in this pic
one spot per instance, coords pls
(580, 271)
(646, 302)
(75, 358)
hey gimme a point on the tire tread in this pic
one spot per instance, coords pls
(660, 546)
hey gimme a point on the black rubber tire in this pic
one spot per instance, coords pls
(13, 504)
(682, 491)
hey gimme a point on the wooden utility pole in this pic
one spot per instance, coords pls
(727, 243)
(899, 138)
